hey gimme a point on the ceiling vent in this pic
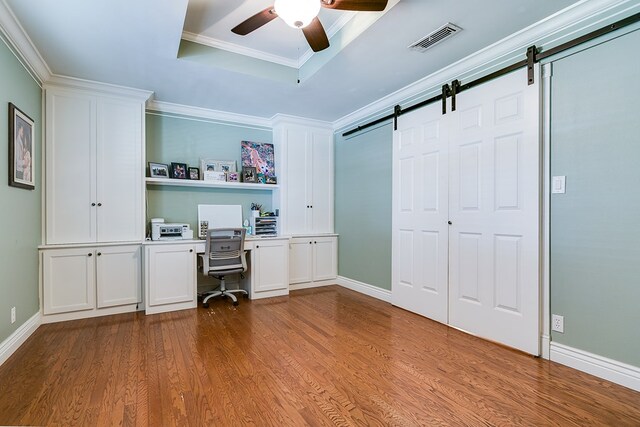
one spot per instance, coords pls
(439, 35)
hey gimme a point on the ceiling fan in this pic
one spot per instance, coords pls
(303, 14)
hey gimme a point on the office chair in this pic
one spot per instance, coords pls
(224, 254)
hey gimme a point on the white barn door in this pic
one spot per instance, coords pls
(420, 200)
(494, 197)
(478, 168)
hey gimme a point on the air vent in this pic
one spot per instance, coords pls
(435, 37)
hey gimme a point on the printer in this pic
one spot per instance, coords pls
(172, 231)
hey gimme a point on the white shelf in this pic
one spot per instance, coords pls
(211, 184)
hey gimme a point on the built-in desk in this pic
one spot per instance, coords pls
(170, 271)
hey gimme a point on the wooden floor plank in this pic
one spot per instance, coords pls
(319, 357)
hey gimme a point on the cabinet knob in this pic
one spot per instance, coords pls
(89, 254)
(93, 204)
(257, 246)
(311, 206)
(190, 250)
(315, 243)
(99, 253)
(99, 204)
(449, 222)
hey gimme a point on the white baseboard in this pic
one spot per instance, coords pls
(16, 339)
(365, 288)
(602, 367)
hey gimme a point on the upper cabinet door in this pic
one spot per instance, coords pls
(119, 170)
(298, 182)
(321, 181)
(70, 158)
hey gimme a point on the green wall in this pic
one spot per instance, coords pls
(21, 209)
(595, 226)
(363, 206)
(187, 140)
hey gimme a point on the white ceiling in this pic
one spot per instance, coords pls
(135, 43)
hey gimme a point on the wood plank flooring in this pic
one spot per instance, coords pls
(324, 356)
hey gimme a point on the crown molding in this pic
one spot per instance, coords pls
(241, 50)
(18, 38)
(105, 88)
(287, 120)
(207, 114)
(562, 26)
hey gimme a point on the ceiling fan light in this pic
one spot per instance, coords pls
(297, 13)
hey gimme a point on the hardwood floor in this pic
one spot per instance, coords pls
(325, 356)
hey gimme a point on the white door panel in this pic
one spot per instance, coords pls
(420, 246)
(494, 209)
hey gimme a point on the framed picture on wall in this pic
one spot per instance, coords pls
(21, 149)
(158, 170)
(178, 170)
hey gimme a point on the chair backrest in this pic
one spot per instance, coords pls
(224, 250)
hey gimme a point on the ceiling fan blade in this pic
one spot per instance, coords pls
(357, 5)
(316, 36)
(255, 22)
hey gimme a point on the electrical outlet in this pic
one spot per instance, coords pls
(557, 323)
(13, 315)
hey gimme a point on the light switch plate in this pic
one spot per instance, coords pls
(558, 184)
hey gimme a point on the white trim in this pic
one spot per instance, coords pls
(545, 209)
(309, 285)
(602, 367)
(285, 119)
(18, 337)
(365, 288)
(240, 50)
(104, 88)
(545, 346)
(205, 113)
(552, 30)
(18, 37)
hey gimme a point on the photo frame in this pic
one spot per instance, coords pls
(215, 176)
(249, 174)
(21, 149)
(233, 177)
(194, 173)
(271, 180)
(208, 165)
(227, 166)
(158, 170)
(178, 170)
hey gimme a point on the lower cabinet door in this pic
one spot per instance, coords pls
(68, 280)
(171, 275)
(270, 266)
(325, 259)
(300, 260)
(119, 275)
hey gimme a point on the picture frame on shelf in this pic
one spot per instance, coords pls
(260, 179)
(21, 149)
(258, 155)
(214, 176)
(227, 166)
(158, 170)
(208, 165)
(194, 173)
(271, 180)
(178, 170)
(249, 174)
(233, 177)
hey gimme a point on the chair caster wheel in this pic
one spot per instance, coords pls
(205, 305)
(235, 303)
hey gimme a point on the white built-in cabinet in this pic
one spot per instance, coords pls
(307, 176)
(269, 268)
(91, 261)
(93, 167)
(170, 277)
(313, 259)
(90, 278)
